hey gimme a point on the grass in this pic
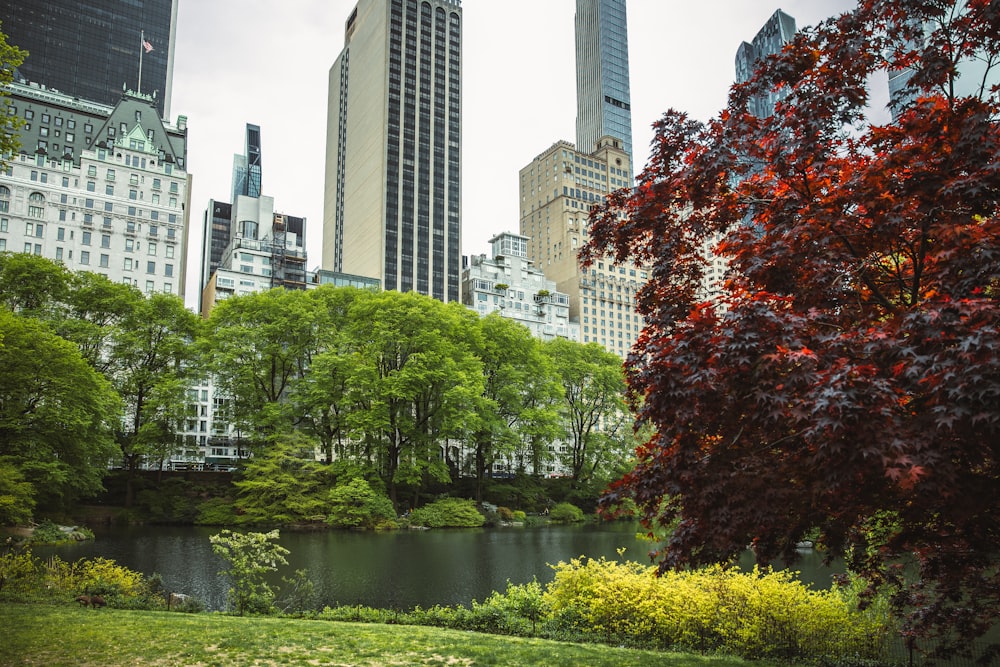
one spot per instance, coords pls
(64, 635)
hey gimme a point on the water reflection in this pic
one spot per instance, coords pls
(397, 570)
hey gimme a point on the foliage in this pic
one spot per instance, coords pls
(20, 573)
(566, 513)
(250, 557)
(356, 504)
(16, 495)
(216, 512)
(848, 365)
(10, 58)
(55, 417)
(760, 614)
(283, 483)
(49, 533)
(448, 513)
(596, 424)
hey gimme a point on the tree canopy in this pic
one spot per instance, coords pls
(847, 376)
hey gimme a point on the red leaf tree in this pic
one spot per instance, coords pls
(847, 377)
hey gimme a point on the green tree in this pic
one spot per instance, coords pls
(592, 407)
(56, 414)
(94, 308)
(414, 385)
(260, 345)
(357, 505)
(32, 285)
(155, 359)
(282, 483)
(10, 58)
(517, 405)
(250, 556)
(17, 496)
(321, 399)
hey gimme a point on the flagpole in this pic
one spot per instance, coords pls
(142, 47)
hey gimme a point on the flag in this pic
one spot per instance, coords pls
(146, 45)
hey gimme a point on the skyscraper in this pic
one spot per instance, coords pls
(603, 103)
(769, 40)
(90, 49)
(393, 174)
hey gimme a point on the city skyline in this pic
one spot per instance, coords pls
(518, 91)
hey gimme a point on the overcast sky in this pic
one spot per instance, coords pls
(267, 62)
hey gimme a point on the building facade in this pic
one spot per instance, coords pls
(557, 190)
(769, 40)
(392, 200)
(509, 284)
(603, 101)
(98, 188)
(91, 49)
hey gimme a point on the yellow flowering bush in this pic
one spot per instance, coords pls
(755, 614)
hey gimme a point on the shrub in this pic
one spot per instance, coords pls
(357, 505)
(505, 513)
(519, 515)
(566, 513)
(49, 533)
(760, 614)
(20, 574)
(217, 512)
(448, 513)
(250, 556)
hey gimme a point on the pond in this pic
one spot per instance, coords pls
(399, 569)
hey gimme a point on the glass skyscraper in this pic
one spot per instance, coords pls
(603, 103)
(90, 48)
(393, 171)
(769, 40)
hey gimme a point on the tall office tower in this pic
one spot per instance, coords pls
(246, 246)
(557, 190)
(603, 103)
(218, 221)
(769, 40)
(393, 174)
(247, 167)
(91, 49)
(99, 188)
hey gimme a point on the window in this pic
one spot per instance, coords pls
(170, 252)
(156, 184)
(168, 270)
(133, 179)
(29, 114)
(3, 228)
(151, 248)
(129, 245)
(128, 264)
(89, 203)
(105, 240)
(92, 186)
(86, 238)
(153, 229)
(104, 260)
(133, 194)
(4, 198)
(150, 267)
(109, 189)
(130, 227)
(173, 187)
(149, 287)
(92, 171)
(61, 234)
(84, 257)
(36, 205)
(111, 174)
(70, 137)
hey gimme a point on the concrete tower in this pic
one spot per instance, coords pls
(392, 199)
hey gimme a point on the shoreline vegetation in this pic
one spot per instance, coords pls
(761, 615)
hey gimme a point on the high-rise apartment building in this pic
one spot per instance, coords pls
(98, 188)
(90, 49)
(557, 190)
(509, 284)
(603, 102)
(392, 199)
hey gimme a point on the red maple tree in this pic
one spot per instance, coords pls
(847, 375)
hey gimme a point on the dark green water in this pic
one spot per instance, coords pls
(395, 570)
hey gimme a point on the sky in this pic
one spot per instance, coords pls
(267, 62)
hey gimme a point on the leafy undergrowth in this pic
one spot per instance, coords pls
(61, 635)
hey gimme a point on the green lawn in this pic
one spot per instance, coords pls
(63, 635)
